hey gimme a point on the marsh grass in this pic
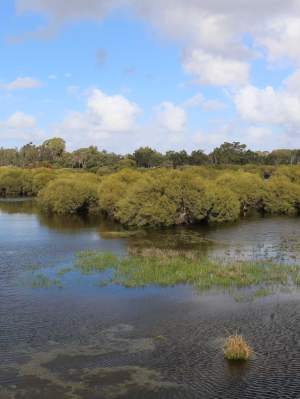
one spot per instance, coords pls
(237, 348)
(152, 266)
(64, 271)
(42, 281)
(122, 234)
(88, 262)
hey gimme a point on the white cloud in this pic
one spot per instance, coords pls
(292, 83)
(21, 83)
(113, 113)
(206, 104)
(211, 32)
(282, 37)
(68, 10)
(215, 69)
(259, 133)
(20, 120)
(105, 118)
(268, 106)
(20, 126)
(171, 117)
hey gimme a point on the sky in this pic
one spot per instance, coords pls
(172, 74)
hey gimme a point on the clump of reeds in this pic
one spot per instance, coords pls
(237, 348)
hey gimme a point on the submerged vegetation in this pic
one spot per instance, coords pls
(237, 348)
(155, 267)
(170, 268)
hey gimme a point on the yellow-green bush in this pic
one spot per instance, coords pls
(222, 205)
(69, 196)
(114, 187)
(15, 182)
(173, 197)
(248, 188)
(281, 196)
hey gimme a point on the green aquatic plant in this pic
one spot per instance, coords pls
(122, 234)
(263, 292)
(62, 272)
(42, 281)
(94, 261)
(169, 268)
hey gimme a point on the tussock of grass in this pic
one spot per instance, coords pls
(236, 348)
(95, 261)
(169, 268)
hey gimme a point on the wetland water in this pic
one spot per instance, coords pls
(92, 342)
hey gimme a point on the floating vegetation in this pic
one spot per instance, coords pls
(64, 271)
(237, 348)
(262, 292)
(42, 281)
(35, 267)
(88, 262)
(153, 266)
(122, 234)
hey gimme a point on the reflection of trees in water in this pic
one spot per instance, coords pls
(70, 224)
(14, 206)
(174, 238)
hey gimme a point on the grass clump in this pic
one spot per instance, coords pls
(88, 262)
(237, 348)
(169, 268)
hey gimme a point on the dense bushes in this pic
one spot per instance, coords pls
(15, 182)
(69, 196)
(160, 197)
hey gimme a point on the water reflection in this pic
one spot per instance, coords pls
(87, 342)
(275, 238)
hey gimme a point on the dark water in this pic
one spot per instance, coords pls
(91, 342)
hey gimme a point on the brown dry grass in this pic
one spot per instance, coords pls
(236, 348)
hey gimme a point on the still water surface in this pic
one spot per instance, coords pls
(91, 342)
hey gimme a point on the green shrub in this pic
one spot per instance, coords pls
(281, 196)
(15, 182)
(222, 205)
(114, 187)
(69, 196)
(164, 198)
(248, 188)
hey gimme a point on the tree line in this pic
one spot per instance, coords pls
(53, 153)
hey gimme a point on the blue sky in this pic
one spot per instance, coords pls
(124, 73)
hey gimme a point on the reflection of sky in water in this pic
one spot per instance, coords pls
(170, 331)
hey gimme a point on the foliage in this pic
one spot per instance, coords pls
(52, 152)
(163, 198)
(15, 182)
(160, 197)
(170, 268)
(69, 195)
(114, 187)
(222, 205)
(281, 196)
(248, 188)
